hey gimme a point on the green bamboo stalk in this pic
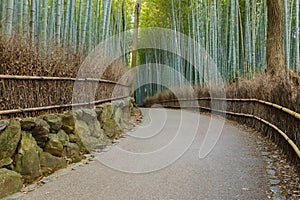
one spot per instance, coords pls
(3, 16)
(287, 32)
(38, 20)
(79, 26)
(44, 16)
(85, 23)
(96, 30)
(253, 48)
(32, 21)
(106, 11)
(89, 27)
(51, 22)
(297, 45)
(72, 23)
(25, 18)
(9, 18)
(20, 16)
(66, 24)
(58, 22)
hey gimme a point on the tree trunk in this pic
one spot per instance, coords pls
(275, 56)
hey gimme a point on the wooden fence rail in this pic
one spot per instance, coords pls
(30, 96)
(23, 110)
(41, 78)
(286, 110)
(279, 107)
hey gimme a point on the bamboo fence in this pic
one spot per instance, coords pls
(284, 109)
(23, 95)
(279, 107)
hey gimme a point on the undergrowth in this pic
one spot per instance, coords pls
(20, 57)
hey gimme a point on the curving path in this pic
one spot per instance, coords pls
(233, 169)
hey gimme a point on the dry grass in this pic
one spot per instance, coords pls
(18, 57)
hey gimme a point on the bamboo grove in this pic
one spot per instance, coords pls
(77, 24)
(233, 32)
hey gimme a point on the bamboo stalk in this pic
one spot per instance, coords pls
(22, 110)
(13, 77)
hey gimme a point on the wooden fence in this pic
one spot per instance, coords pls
(279, 123)
(28, 96)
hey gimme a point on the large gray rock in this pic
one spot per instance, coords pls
(28, 158)
(40, 132)
(50, 163)
(111, 128)
(89, 115)
(126, 116)
(10, 182)
(120, 119)
(95, 128)
(54, 121)
(98, 111)
(98, 133)
(68, 122)
(107, 111)
(3, 124)
(27, 124)
(54, 146)
(118, 115)
(82, 131)
(9, 139)
(108, 123)
(73, 152)
(63, 138)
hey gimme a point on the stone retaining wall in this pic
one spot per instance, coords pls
(35, 147)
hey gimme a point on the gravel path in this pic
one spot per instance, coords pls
(164, 147)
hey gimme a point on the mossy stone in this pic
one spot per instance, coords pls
(54, 146)
(54, 121)
(10, 182)
(28, 158)
(50, 163)
(9, 139)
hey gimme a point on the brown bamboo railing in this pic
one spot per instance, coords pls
(64, 79)
(284, 135)
(21, 110)
(279, 107)
(41, 78)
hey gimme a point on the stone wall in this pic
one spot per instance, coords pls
(35, 147)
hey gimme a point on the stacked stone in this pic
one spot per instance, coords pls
(35, 147)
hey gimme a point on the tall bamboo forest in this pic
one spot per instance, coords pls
(232, 32)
